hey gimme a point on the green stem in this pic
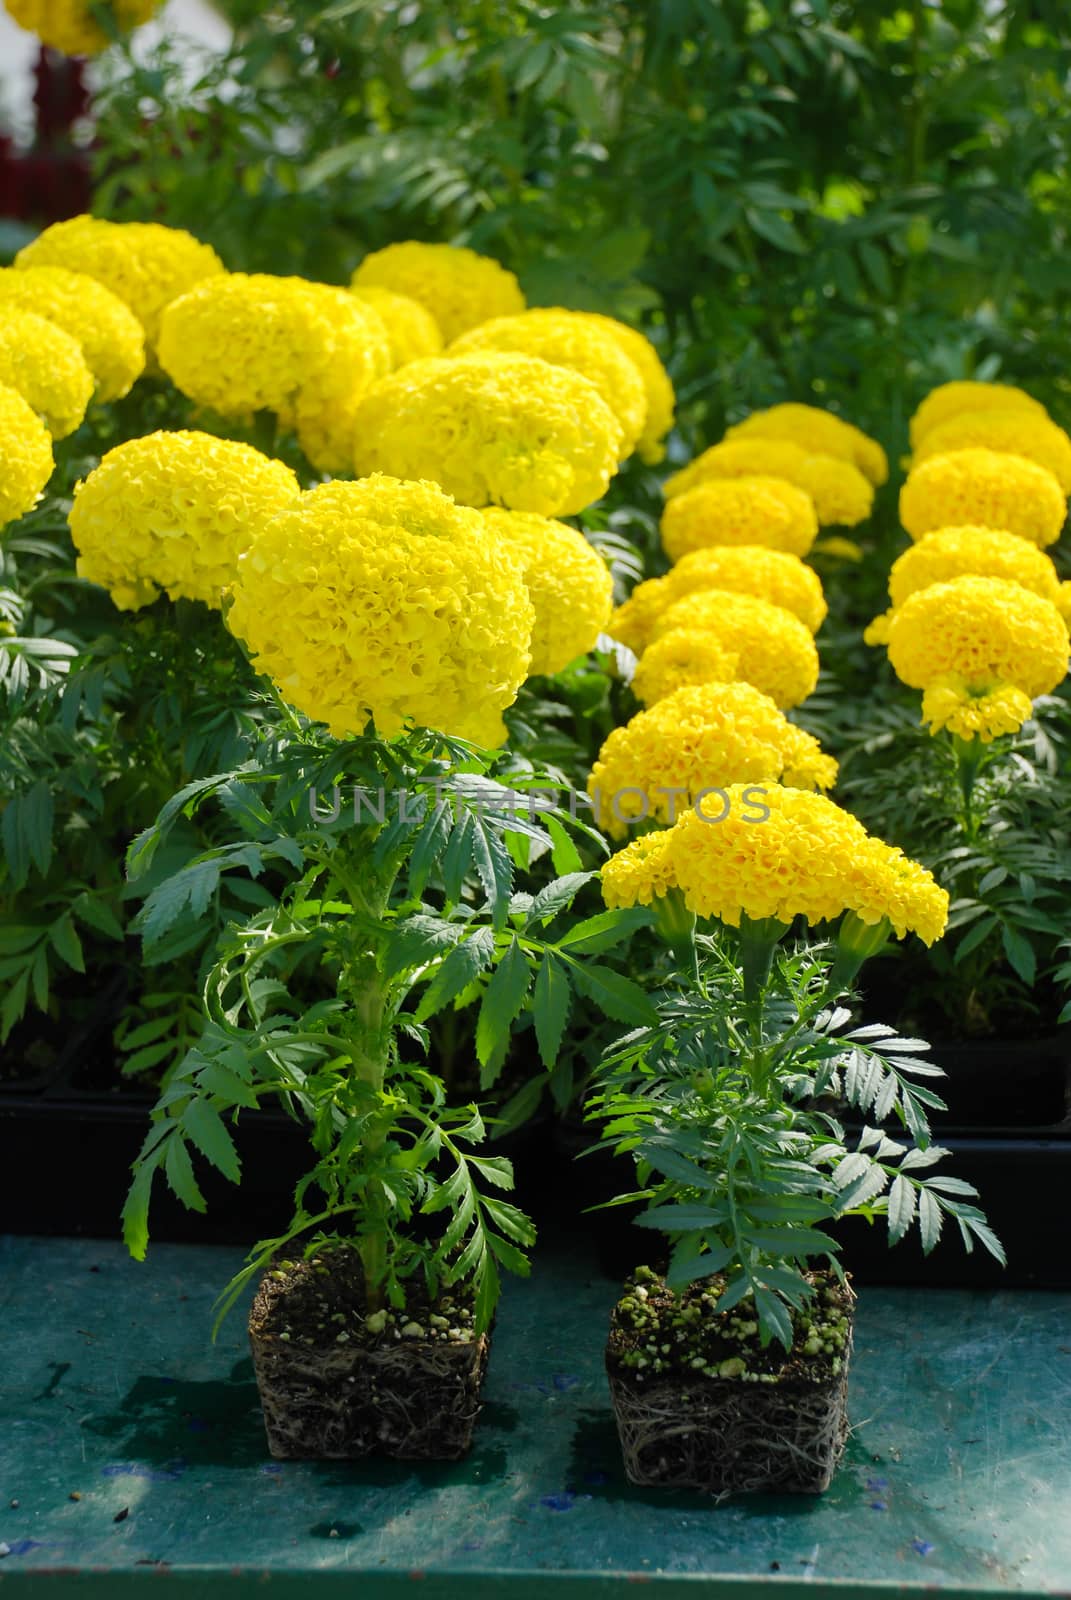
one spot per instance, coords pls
(970, 760)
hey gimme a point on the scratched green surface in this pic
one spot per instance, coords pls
(958, 1472)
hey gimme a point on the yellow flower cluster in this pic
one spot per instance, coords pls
(113, 345)
(656, 382)
(144, 264)
(842, 495)
(173, 512)
(25, 455)
(492, 429)
(981, 649)
(412, 330)
(74, 26)
(772, 575)
(728, 511)
(819, 433)
(459, 287)
(804, 857)
(774, 650)
(569, 339)
(386, 601)
(568, 583)
(1013, 433)
(951, 399)
(692, 741)
(979, 487)
(684, 658)
(47, 367)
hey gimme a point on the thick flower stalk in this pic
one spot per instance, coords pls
(143, 263)
(173, 512)
(819, 433)
(981, 649)
(113, 345)
(47, 367)
(459, 287)
(843, 496)
(412, 331)
(385, 601)
(75, 26)
(806, 857)
(568, 583)
(658, 387)
(694, 740)
(1013, 433)
(570, 339)
(744, 568)
(774, 650)
(983, 488)
(728, 511)
(492, 429)
(25, 455)
(950, 399)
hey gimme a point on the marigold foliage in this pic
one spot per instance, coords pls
(1014, 433)
(806, 858)
(25, 455)
(819, 433)
(983, 488)
(745, 569)
(173, 512)
(730, 511)
(113, 345)
(492, 429)
(568, 583)
(412, 330)
(72, 26)
(47, 367)
(570, 339)
(774, 650)
(459, 287)
(684, 658)
(721, 733)
(384, 600)
(143, 263)
(842, 495)
(949, 399)
(657, 384)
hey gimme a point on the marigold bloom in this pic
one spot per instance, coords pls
(696, 739)
(492, 429)
(47, 367)
(730, 511)
(970, 641)
(1013, 433)
(144, 264)
(744, 568)
(842, 495)
(949, 399)
(806, 857)
(569, 339)
(657, 384)
(983, 488)
(568, 583)
(71, 26)
(385, 600)
(25, 455)
(819, 433)
(173, 512)
(113, 345)
(774, 650)
(355, 354)
(412, 330)
(459, 287)
(684, 658)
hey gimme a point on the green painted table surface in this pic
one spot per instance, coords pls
(134, 1450)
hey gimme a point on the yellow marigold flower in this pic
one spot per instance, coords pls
(695, 739)
(819, 433)
(949, 399)
(144, 264)
(967, 641)
(568, 583)
(727, 511)
(1013, 433)
(842, 495)
(804, 857)
(25, 455)
(569, 339)
(986, 489)
(110, 335)
(354, 353)
(492, 429)
(384, 600)
(71, 26)
(657, 384)
(459, 287)
(173, 512)
(774, 650)
(744, 568)
(46, 366)
(412, 330)
(684, 658)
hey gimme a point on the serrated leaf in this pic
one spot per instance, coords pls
(930, 1219)
(1020, 952)
(615, 995)
(551, 1000)
(901, 1208)
(178, 1169)
(685, 1218)
(502, 1001)
(602, 932)
(204, 1127)
(457, 971)
(556, 896)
